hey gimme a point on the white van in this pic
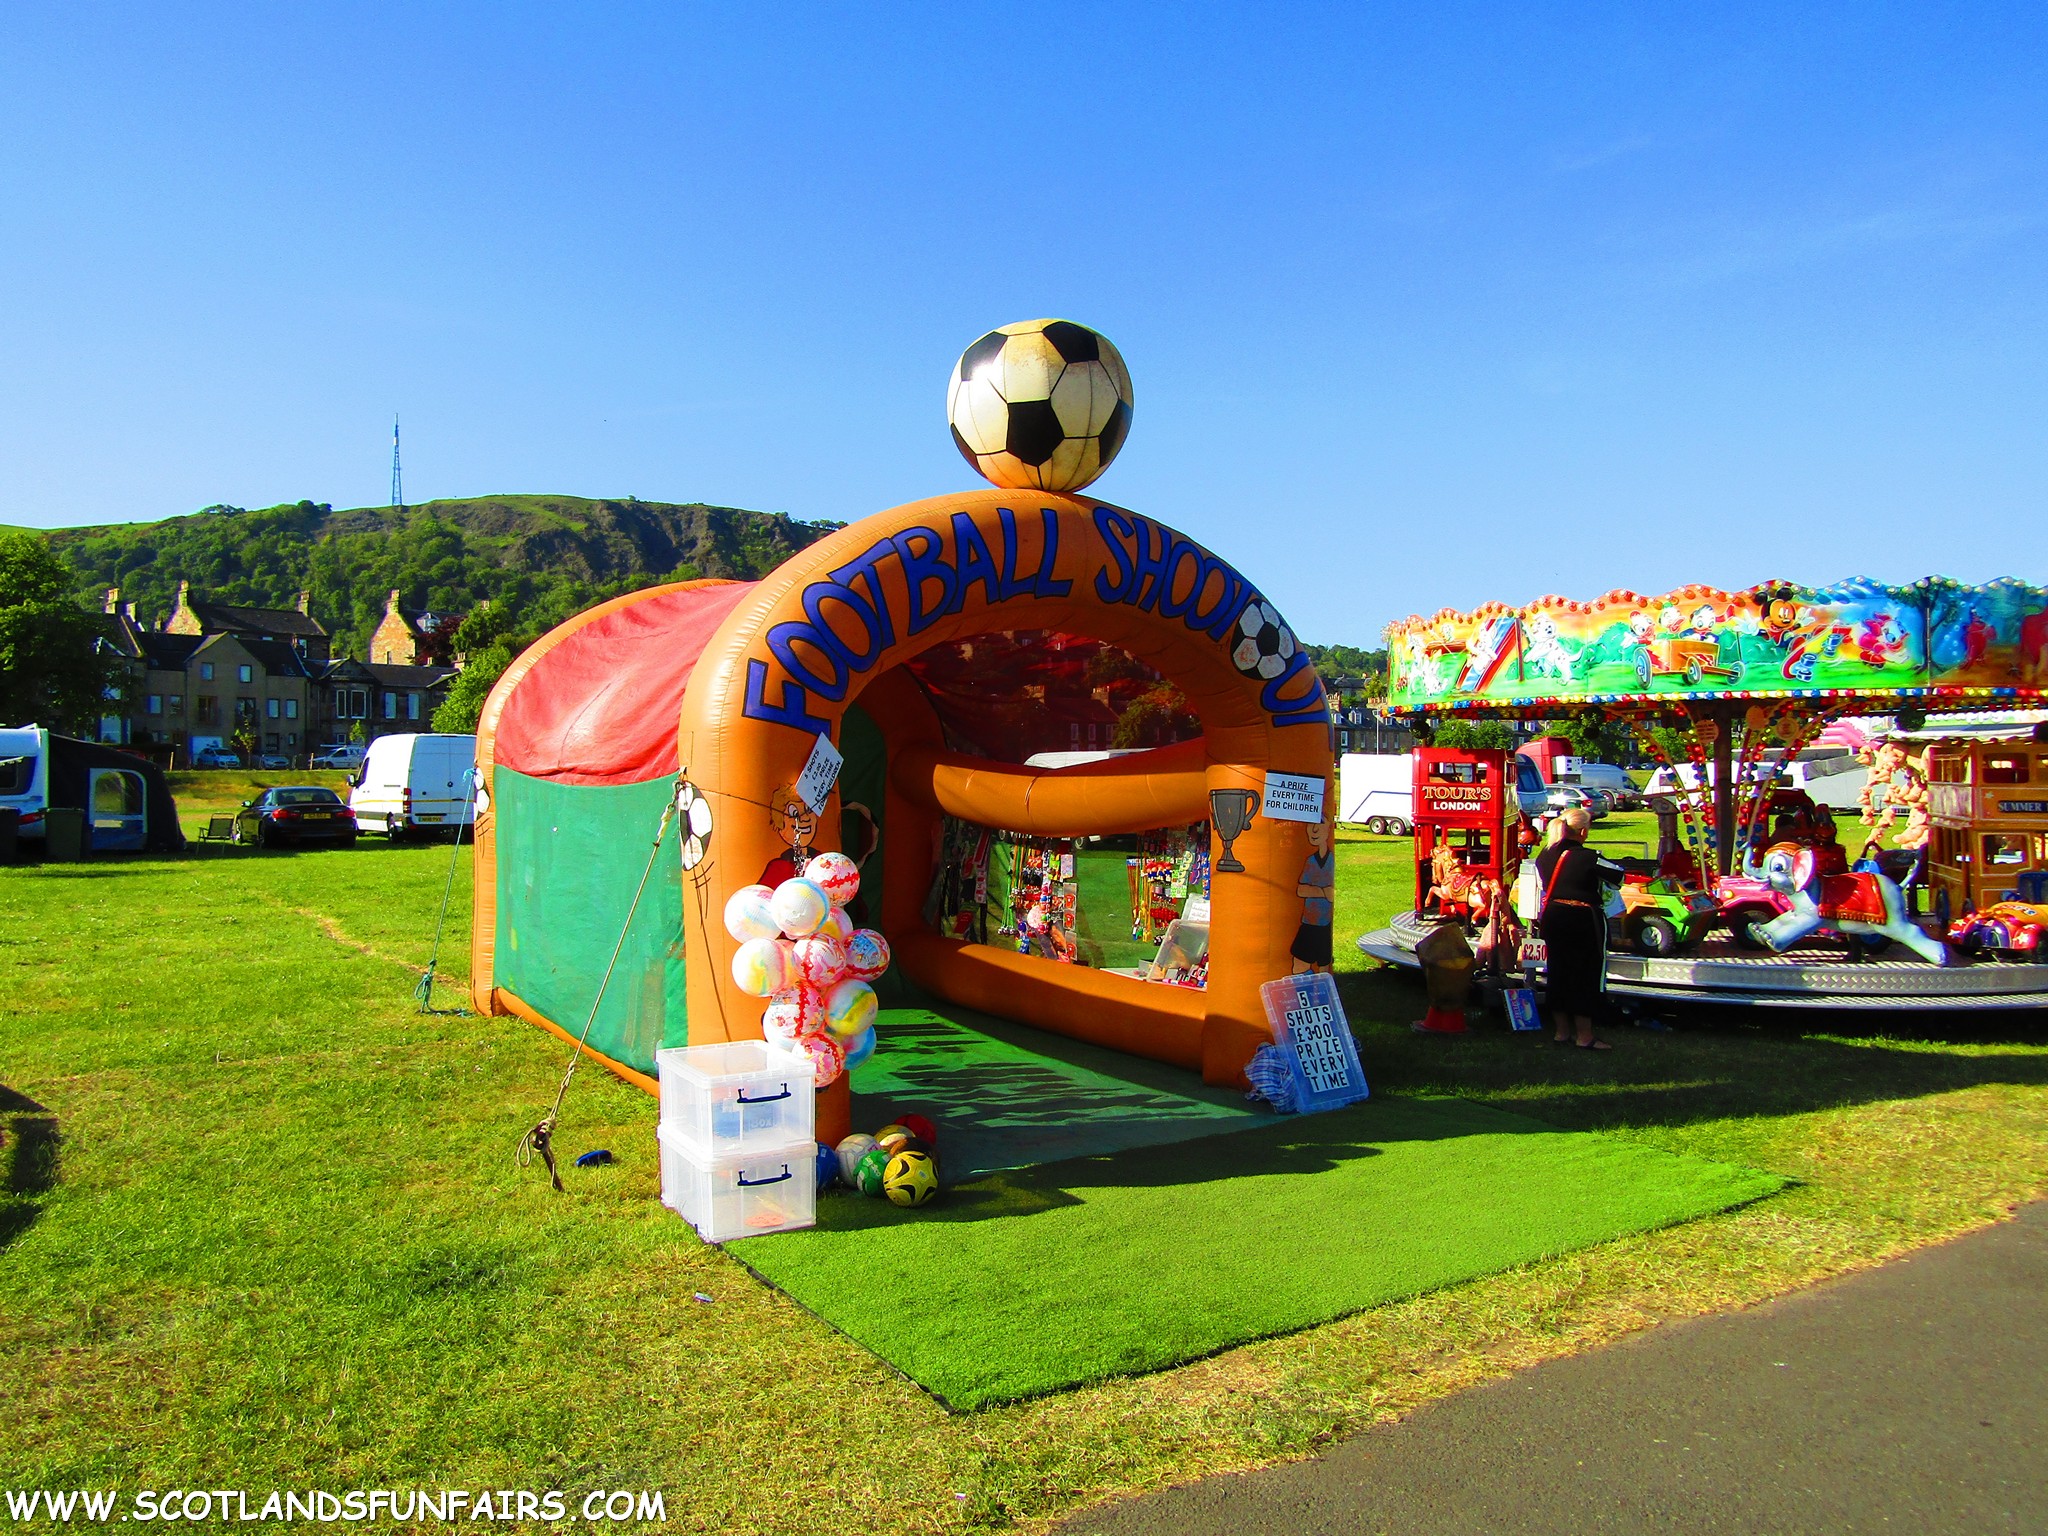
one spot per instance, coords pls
(415, 783)
(1605, 777)
(1836, 782)
(25, 777)
(1376, 790)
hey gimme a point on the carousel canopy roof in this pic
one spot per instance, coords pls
(1856, 647)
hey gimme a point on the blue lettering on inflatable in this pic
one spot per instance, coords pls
(1013, 585)
(817, 595)
(973, 565)
(793, 711)
(1217, 621)
(1144, 564)
(863, 567)
(919, 567)
(1049, 556)
(1114, 528)
(782, 641)
(1152, 565)
(1171, 607)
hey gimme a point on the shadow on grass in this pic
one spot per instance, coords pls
(1312, 1145)
(28, 1153)
(1050, 1186)
(1695, 1065)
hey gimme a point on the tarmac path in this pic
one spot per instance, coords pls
(1908, 1398)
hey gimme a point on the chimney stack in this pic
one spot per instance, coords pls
(305, 602)
(391, 603)
(113, 600)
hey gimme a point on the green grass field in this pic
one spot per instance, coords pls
(280, 1238)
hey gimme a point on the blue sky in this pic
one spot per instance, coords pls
(1423, 305)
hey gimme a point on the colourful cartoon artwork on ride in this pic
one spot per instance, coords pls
(1771, 639)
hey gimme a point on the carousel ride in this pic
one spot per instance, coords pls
(1753, 895)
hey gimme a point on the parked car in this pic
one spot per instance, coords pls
(415, 783)
(215, 757)
(1611, 781)
(1566, 797)
(342, 755)
(272, 760)
(300, 813)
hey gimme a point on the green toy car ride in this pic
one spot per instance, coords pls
(1661, 916)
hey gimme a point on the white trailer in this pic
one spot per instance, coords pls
(1376, 790)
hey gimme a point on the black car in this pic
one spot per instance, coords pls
(295, 814)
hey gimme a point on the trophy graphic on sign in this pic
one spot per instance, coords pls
(1231, 810)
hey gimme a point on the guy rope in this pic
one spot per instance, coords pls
(424, 991)
(540, 1140)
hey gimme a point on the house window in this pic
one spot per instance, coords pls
(208, 709)
(153, 704)
(206, 671)
(291, 709)
(291, 738)
(244, 673)
(270, 742)
(271, 708)
(245, 709)
(359, 704)
(412, 706)
(390, 705)
(177, 704)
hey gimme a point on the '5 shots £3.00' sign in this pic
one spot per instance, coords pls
(1310, 1029)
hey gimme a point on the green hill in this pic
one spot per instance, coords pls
(535, 557)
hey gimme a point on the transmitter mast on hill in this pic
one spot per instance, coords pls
(397, 478)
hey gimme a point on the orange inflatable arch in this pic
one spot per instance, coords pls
(834, 626)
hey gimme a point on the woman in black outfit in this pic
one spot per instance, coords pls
(1574, 928)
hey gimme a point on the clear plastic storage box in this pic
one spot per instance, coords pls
(742, 1096)
(739, 1194)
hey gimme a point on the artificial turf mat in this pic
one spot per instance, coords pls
(1050, 1277)
(1007, 1096)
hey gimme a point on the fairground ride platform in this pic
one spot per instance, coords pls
(1812, 975)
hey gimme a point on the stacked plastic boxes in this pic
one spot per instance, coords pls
(738, 1150)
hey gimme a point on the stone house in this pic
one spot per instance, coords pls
(409, 637)
(188, 691)
(294, 626)
(216, 670)
(384, 698)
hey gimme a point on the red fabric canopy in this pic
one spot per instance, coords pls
(602, 707)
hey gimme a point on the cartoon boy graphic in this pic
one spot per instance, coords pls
(1311, 948)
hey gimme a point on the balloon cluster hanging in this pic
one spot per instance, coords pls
(800, 951)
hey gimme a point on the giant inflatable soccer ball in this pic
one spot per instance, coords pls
(1041, 405)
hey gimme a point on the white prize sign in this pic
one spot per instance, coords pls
(1292, 797)
(821, 772)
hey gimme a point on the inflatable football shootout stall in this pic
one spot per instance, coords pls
(731, 686)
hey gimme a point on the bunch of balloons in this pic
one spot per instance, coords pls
(800, 951)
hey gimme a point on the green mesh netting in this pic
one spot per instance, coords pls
(569, 857)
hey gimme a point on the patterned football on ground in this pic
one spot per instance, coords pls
(1041, 405)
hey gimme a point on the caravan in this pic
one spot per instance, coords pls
(123, 802)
